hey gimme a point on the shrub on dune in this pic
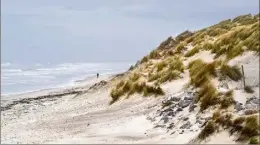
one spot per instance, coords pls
(192, 52)
(227, 99)
(251, 127)
(248, 89)
(208, 130)
(232, 72)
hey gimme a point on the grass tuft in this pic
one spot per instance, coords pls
(251, 127)
(207, 96)
(192, 52)
(154, 54)
(232, 72)
(254, 140)
(248, 89)
(208, 130)
(161, 65)
(250, 112)
(239, 120)
(227, 99)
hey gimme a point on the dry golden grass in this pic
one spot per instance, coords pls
(208, 96)
(161, 65)
(154, 54)
(167, 70)
(248, 89)
(131, 86)
(192, 52)
(250, 112)
(144, 59)
(254, 140)
(233, 72)
(180, 47)
(216, 115)
(251, 127)
(227, 99)
(208, 130)
(246, 127)
(201, 72)
(239, 120)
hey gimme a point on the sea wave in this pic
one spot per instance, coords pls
(24, 78)
(5, 64)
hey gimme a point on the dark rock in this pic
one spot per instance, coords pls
(179, 109)
(239, 106)
(171, 126)
(165, 119)
(185, 118)
(252, 103)
(172, 106)
(188, 97)
(223, 85)
(187, 125)
(175, 99)
(173, 132)
(253, 100)
(192, 107)
(184, 103)
(160, 126)
(172, 113)
(207, 118)
(199, 121)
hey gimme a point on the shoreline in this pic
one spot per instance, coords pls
(76, 88)
(72, 83)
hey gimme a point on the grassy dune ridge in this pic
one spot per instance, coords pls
(225, 40)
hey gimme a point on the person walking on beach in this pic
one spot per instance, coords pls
(97, 75)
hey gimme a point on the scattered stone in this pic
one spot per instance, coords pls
(160, 126)
(173, 132)
(187, 125)
(150, 119)
(223, 85)
(171, 126)
(239, 106)
(188, 97)
(175, 99)
(199, 121)
(207, 118)
(252, 103)
(165, 119)
(184, 103)
(171, 113)
(192, 107)
(179, 109)
(253, 100)
(185, 118)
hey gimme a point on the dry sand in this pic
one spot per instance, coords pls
(88, 118)
(83, 119)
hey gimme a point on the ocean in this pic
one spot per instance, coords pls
(18, 78)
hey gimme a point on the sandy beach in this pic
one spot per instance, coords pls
(82, 114)
(87, 118)
(199, 87)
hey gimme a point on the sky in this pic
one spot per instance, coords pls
(68, 31)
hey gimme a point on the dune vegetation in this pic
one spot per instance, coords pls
(225, 40)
